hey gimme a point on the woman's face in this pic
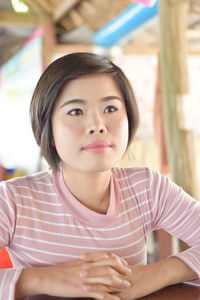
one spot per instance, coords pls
(89, 124)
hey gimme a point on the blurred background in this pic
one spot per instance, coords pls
(156, 43)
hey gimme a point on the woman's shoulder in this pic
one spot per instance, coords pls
(30, 180)
(131, 172)
(132, 175)
(128, 172)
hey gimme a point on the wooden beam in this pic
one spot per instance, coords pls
(37, 9)
(45, 5)
(126, 49)
(63, 8)
(8, 18)
(70, 48)
(129, 49)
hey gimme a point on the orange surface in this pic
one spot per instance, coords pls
(5, 261)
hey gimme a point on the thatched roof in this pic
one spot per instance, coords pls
(76, 21)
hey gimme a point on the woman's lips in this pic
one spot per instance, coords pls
(97, 146)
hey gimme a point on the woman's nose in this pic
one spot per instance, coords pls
(96, 125)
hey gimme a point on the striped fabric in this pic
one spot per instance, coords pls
(41, 223)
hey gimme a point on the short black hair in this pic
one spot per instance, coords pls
(51, 83)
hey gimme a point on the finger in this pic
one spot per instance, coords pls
(111, 281)
(106, 275)
(100, 255)
(122, 260)
(99, 271)
(113, 262)
(103, 271)
(99, 291)
(94, 256)
(102, 294)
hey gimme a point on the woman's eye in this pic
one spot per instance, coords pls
(110, 109)
(75, 112)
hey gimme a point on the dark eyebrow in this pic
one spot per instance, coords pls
(82, 101)
(107, 98)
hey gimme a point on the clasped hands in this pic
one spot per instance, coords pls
(102, 276)
(105, 273)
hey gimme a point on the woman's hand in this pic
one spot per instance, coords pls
(153, 277)
(105, 272)
(143, 282)
(142, 279)
(67, 280)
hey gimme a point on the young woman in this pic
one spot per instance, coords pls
(79, 229)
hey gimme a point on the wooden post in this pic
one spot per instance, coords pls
(174, 78)
(48, 42)
(46, 22)
(162, 239)
(174, 84)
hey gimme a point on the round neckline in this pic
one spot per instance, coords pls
(81, 212)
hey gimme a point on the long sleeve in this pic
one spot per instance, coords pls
(8, 277)
(179, 214)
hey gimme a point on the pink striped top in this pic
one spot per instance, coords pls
(41, 223)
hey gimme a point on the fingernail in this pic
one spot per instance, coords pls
(86, 287)
(83, 273)
(128, 270)
(126, 283)
(83, 256)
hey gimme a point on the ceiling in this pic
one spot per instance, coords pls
(76, 21)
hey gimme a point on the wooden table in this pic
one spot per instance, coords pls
(176, 292)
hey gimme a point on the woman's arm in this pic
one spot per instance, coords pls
(8, 277)
(150, 278)
(176, 270)
(175, 211)
(29, 283)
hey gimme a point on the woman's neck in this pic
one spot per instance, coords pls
(91, 189)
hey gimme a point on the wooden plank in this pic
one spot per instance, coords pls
(63, 8)
(8, 18)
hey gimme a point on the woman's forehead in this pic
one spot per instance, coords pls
(97, 85)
